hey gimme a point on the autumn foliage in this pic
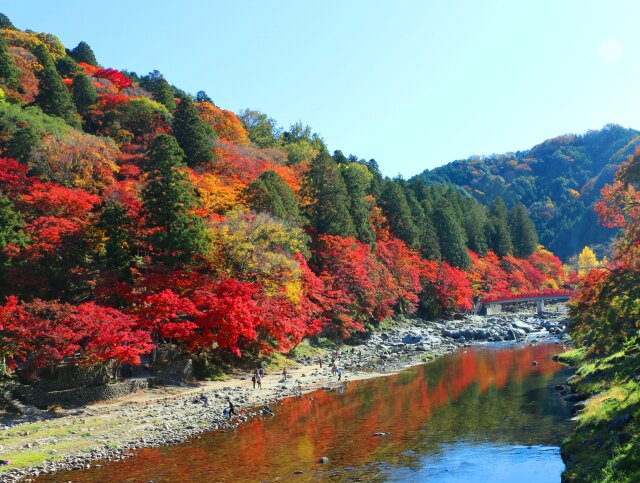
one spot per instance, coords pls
(113, 241)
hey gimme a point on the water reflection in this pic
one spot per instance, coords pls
(444, 420)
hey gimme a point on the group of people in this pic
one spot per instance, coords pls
(258, 374)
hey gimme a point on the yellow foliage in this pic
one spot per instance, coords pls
(29, 40)
(260, 248)
(216, 195)
(574, 193)
(587, 260)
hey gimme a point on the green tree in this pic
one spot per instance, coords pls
(451, 238)
(357, 179)
(83, 93)
(53, 96)
(194, 136)
(523, 232)
(83, 53)
(394, 204)
(118, 232)
(475, 223)
(499, 235)
(263, 131)
(11, 224)
(271, 194)
(5, 23)
(162, 92)
(328, 209)
(67, 66)
(168, 199)
(21, 144)
(9, 73)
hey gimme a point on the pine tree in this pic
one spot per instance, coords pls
(328, 211)
(53, 97)
(11, 224)
(357, 180)
(83, 92)
(498, 230)
(523, 232)
(21, 144)
(67, 66)
(271, 194)
(450, 236)
(475, 226)
(9, 73)
(118, 230)
(5, 23)
(194, 136)
(155, 83)
(168, 199)
(83, 53)
(394, 204)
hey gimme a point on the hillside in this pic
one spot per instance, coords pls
(559, 181)
(134, 215)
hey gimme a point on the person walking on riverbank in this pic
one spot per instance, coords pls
(231, 409)
(334, 369)
(284, 374)
(259, 381)
(339, 374)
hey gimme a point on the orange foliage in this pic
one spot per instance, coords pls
(225, 123)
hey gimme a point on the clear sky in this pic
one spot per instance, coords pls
(411, 83)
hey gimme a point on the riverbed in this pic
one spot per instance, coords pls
(482, 413)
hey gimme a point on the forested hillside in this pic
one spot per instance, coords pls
(558, 181)
(134, 214)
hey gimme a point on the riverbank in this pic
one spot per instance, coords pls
(605, 443)
(44, 442)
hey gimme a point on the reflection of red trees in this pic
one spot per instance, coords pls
(305, 429)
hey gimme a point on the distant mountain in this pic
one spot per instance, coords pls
(558, 180)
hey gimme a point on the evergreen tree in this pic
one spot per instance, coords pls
(271, 194)
(53, 97)
(168, 199)
(430, 246)
(328, 211)
(5, 23)
(118, 231)
(194, 136)
(21, 144)
(451, 237)
(394, 204)
(11, 224)
(475, 226)
(83, 53)
(9, 73)
(523, 232)
(498, 230)
(357, 179)
(83, 92)
(67, 67)
(201, 96)
(162, 92)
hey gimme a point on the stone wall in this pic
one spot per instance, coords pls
(78, 396)
(70, 377)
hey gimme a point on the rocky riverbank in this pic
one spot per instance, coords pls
(41, 442)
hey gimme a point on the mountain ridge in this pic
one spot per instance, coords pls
(558, 180)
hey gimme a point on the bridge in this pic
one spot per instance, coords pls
(493, 304)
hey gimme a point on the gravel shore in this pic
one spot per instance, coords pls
(41, 442)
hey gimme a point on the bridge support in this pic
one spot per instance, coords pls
(540, 306)
(493, 309)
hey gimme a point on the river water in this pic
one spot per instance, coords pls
(480, 414)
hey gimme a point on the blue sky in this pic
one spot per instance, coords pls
(414, 84)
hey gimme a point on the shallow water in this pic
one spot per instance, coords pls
(480, 414)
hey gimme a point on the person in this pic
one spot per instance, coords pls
(261, 371)
(334, 369)
(254, 379)
(259, 382)
(284, 373)
(339, 374)
(320, 362)
(231, 409)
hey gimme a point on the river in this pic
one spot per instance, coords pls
(483, 413)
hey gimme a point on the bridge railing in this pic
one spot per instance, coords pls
(525, 295)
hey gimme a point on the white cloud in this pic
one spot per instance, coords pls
(610, 51)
